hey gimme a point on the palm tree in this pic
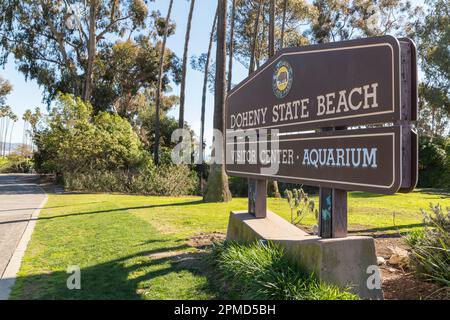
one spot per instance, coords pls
(34, 120)
(159, 87)
(26, 118)
(6, 117)
(217, 188)
(231, 45)
(2, 125)
(205, 87)
(184, 66)
(14, 118)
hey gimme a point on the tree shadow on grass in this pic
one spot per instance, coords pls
(435, 191)
(55, 207)
(112, 280)
(383, 232)
(152, 206)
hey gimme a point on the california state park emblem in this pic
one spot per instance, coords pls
(282, 79)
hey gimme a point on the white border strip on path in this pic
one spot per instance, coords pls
(9, 276)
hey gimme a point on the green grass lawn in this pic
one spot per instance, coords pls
(136, 247)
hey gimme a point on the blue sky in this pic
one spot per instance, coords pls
(28, 95)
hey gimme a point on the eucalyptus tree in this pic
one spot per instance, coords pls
(254, 39)
(206, 76)
(56, 42)
(231, 45)
(5, 89)
(339, 20)
(204, 64)
(271, 52)
(283, 23)
(217, 188)
(184, 66)
(126, 70)
(299, 14)
(432, 35)
(160, 84)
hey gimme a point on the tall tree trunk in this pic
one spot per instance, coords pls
(1, 135)
(255, 37)
(217, 188)
(10, 138)
(283, 23)
(184, 66)
(6, 135)
(272, 28)
(23, 134)
(91, 50)
(231, 45)
(2, 121)
(159, 87)
(205, 87)
(272, 186)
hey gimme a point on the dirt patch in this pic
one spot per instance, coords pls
(165, 254)
(181, 259)
(383, 245)
(400, 285)
(203, 240)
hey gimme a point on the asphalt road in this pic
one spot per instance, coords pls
(20, 196)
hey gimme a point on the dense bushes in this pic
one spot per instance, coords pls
(430, 247)
(168, 180)
(15, 164)
(73, 140)
(102, 153)
(434, 163)
(262, 271)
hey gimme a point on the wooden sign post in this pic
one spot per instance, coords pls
(332, 219)
(302, 118)
(257, 197)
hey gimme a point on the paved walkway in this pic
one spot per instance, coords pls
(20, 198)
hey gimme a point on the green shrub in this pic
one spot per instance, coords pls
(434, 163)
(102, 153)
(175, 180)
(74, 139)
(167, 180)
(413, 237)
(430, 247)
(3, 163)
(15, 164)
(262, 271)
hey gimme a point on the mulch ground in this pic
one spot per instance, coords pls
(400, 284)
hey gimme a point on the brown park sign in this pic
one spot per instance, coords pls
(335, 85)
(346, 83)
